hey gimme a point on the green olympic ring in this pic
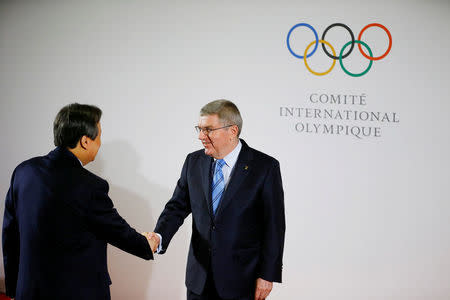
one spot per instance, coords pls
(342, 65)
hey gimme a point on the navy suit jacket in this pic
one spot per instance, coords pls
(244, 240)
(57, 223)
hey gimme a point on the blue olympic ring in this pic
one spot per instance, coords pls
(289, 35)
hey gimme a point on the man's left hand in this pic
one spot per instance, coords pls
(263, 288)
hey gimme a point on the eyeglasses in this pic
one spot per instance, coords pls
(207, 131)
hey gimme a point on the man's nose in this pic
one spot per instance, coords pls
(202, 135)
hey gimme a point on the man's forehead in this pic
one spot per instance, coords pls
(208, 120)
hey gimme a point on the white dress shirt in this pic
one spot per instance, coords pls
(230, 161)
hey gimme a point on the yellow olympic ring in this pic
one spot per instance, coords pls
(306, 52)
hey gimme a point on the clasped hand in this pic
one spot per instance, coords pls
(153, 240)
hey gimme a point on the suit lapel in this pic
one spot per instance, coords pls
(238, 175)
(206, 186)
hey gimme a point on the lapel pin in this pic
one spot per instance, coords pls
(246, 168)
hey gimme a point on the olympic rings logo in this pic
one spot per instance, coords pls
(341, 56)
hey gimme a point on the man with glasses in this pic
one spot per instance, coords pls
(236, 199)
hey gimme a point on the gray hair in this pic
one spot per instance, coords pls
(226, 110)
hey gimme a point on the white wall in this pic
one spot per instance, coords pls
(366, 218)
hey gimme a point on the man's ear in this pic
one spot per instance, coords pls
(235, 130)
(84, 141)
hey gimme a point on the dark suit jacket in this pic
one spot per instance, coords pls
(245, 238)
(57, 223)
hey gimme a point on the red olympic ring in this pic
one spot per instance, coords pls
(390, 41)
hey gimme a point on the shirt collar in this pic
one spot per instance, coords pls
(232, 157)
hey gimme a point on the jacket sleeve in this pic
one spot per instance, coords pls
(106, 223)
(274, 226)
(11, 243)
(176, 209)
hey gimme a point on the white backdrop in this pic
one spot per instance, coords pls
(366, 218)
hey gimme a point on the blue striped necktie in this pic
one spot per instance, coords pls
(218, 184)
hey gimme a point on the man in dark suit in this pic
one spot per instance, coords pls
(236, 199)
(58, 218)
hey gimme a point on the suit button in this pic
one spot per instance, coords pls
(214, 227)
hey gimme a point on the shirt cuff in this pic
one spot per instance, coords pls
(159, 249)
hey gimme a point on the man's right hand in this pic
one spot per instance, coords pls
(153, 240)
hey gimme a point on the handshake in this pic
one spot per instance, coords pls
(153, 240)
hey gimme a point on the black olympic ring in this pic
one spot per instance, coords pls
(351, 34)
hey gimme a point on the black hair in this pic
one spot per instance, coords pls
(74, 121)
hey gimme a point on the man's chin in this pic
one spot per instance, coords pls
(209, 152)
